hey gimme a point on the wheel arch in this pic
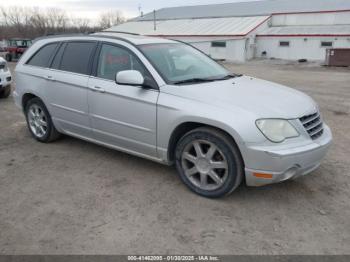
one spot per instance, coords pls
(26, 98)
(185, 127)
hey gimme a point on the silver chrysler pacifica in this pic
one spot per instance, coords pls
(168, 102)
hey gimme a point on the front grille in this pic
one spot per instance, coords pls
(313, 125)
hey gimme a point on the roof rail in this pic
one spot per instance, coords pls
(85, 35)
(57, 36)
(119, 32)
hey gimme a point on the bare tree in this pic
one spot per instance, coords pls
(81, 24)
(111, 18)
(28, 22)
(16, 17)
(39, 21)
(57, 19)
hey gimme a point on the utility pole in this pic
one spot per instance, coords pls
(154, 20)
(140, 10)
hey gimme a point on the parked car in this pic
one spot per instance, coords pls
(16, 47)
(168, 102)
(5, 79)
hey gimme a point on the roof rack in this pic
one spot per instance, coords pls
(119, 32)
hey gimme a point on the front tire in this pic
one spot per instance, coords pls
(5, 93)
(209, 162)
(39, 121)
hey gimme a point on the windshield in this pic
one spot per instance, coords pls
(178, 63)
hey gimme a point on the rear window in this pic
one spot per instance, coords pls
(76, 57)
(42, 57)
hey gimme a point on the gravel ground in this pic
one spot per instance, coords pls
(72, 197)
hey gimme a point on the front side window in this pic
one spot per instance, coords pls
(42, 57)
(77, 56)
(178, 62)
(114, 59)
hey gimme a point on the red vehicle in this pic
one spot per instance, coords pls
(16, 47)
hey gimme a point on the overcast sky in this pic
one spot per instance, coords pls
(92, 8)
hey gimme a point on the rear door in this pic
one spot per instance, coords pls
(122, 116)
(67, 93)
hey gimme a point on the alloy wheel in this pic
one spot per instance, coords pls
(205, 165)
(37, 121)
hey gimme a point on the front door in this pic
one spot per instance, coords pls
(122, 116)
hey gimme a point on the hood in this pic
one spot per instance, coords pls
(263, 98)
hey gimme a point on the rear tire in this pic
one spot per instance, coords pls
(39, 122)
(5, 93)
(209, 162)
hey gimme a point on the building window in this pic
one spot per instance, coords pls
(326, 44)
(284, 43)
(218, 44)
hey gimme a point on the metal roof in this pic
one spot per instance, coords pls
(333, 30)
(229, 26)
(255, 8)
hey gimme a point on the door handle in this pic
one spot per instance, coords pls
(50, 78)
(98, 89)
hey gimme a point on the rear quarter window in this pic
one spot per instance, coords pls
(42, 57)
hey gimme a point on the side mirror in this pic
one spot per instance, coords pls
(129, 77)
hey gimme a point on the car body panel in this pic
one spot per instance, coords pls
(5, 75)
(66, 96)
(124, 116)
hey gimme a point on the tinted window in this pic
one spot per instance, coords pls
(115, 59)
(76, 57)
(58, 57)
(42, 57)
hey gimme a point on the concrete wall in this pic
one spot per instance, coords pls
(335, 18)
(235, 50)
(300, 47)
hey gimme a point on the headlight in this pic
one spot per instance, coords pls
(3, 66)
(276, 130)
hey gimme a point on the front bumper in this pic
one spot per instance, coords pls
(5, 79)
(265, 166)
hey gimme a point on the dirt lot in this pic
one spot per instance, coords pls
(72, 197)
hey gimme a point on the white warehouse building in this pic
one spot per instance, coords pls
(281, 29)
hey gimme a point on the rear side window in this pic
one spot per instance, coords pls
(42, 57)
(58, 57)
(77, 56)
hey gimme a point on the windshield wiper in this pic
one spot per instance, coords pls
(193, 80)
(228, 76)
